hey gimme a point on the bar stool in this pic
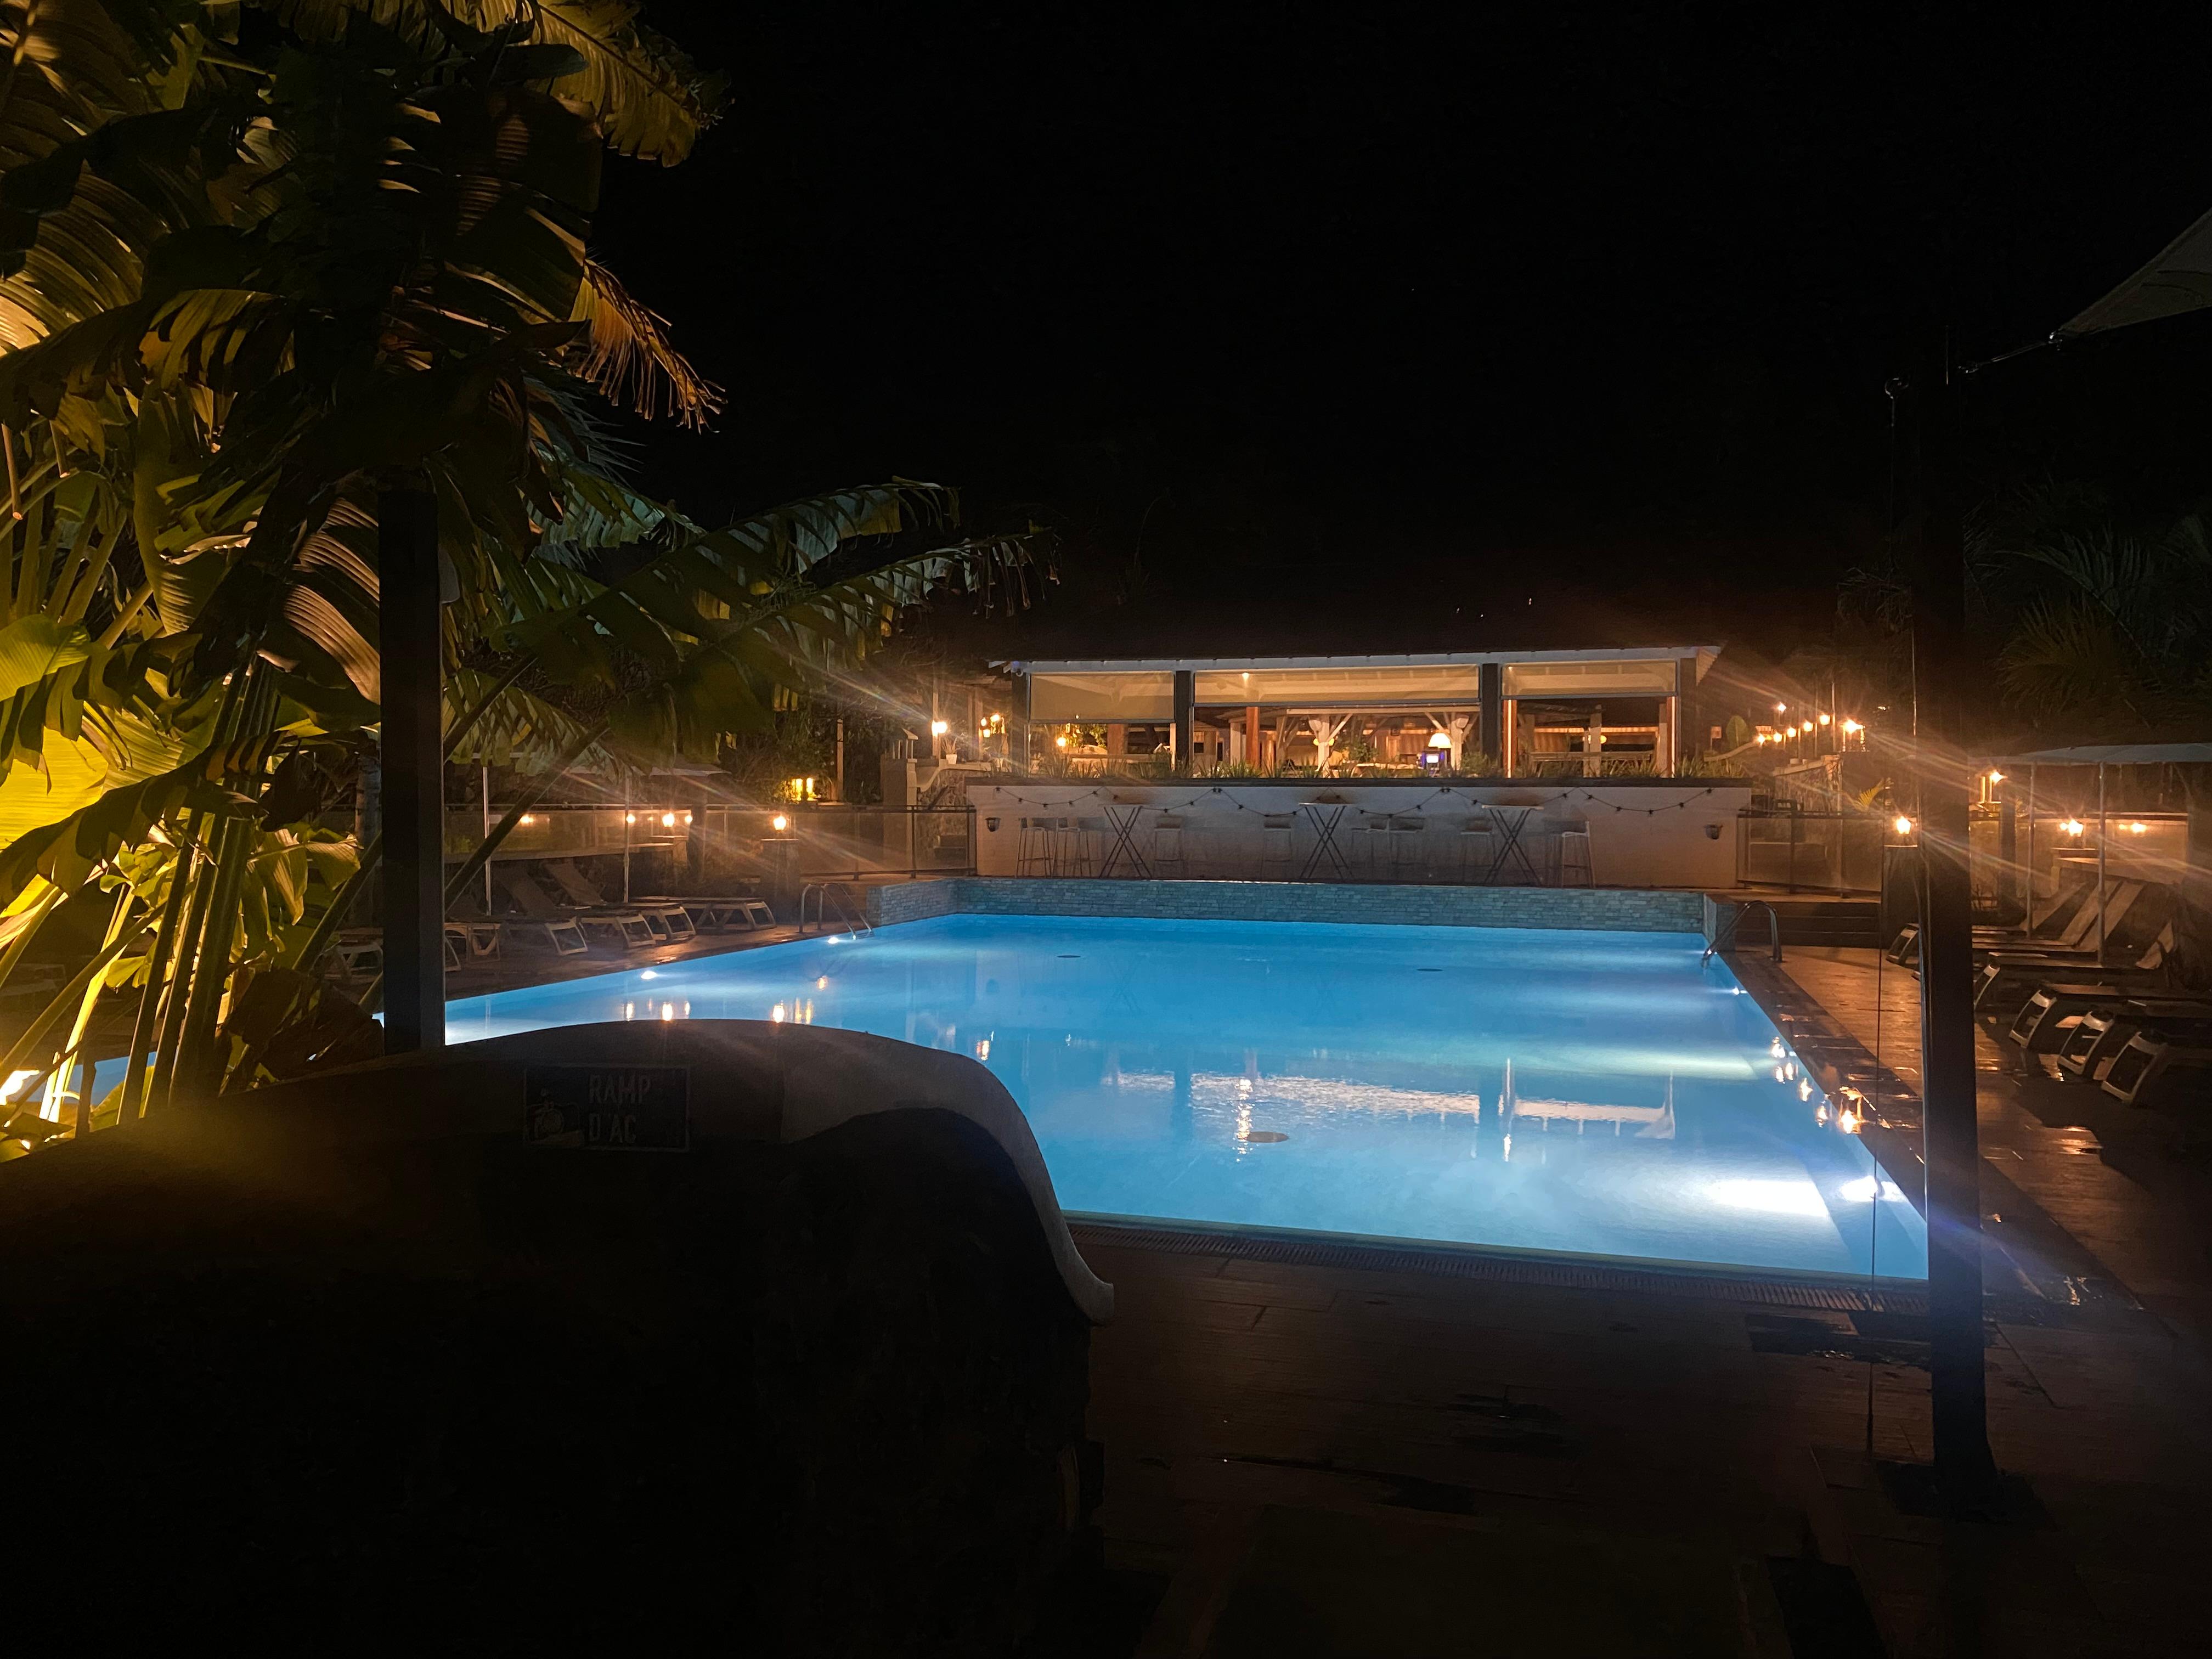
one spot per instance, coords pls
(1478, 849)
(1574, 856)
(1404, 840)
(1165, 854)
(1278, 830)
(1033, 847)
(1370, 845)
(1089, 848)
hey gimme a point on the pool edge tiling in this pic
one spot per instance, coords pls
(1602, 1095)
(1605, 909)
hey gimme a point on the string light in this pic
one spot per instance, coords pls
(2074, 826)
(1902, 824)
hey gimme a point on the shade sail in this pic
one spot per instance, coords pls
(2179, 280)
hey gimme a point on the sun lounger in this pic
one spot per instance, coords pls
(2064, 926)
(2004, 971)
(666, 918)
(2104, 1030)
(626, 929)
(2150, 1057)
(2049, 1017)
(360, 952)
(476, 939)
(716, 914)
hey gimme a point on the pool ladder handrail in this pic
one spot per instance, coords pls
(1727, 930)
(825, 894)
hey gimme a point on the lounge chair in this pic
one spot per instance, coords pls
(2004, 971)
(2149, 1055)
(360, 952)
(2104, 1030)
(2048, 1019)
(717, 914)
(667, 919)
(2065, 925)
(627, 930)
(472, 939)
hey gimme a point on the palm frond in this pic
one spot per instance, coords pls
(627, 357)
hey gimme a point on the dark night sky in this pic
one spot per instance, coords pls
(1382, 328)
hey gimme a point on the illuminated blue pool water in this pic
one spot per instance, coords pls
(1598, 1093)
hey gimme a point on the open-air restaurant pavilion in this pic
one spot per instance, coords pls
(1614, 710)
(1487, 768)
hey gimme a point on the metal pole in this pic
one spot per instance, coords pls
(2031, 847)
(626, 818)
(1958, 1386)
(412, 744)
(2100, 864)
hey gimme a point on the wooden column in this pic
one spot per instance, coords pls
(1186, 698)
(414, 771)
(1252, 735)
(1490, 685)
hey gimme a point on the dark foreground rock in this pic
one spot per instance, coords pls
(360, 1364)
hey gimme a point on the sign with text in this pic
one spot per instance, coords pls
(608, 1108)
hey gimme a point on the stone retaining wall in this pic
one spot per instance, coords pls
(1608, 909)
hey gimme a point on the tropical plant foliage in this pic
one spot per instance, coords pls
(259, 263)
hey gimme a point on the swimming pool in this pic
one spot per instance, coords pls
(1595, 1093)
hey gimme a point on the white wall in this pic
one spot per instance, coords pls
(1664, 834)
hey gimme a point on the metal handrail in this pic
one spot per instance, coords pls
(824, 894)
(1727, 929)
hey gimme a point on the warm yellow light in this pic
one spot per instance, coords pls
(630, 818)
(1848, 1121)
(1902, 824)
(1809, 726)
(1781, 707)
(1062, 740)
(1826, 720)
(527, 817)
(1996, 776)
(2137, 828)
(687, 817)
(1439, 740)
(983, 1047)
(779, 822)
(2074, 826)
(822, 983)
(668, 820)
(777, 1014)
(1853, 726)
(938, 728)
(1758, 737)
(668, 1011)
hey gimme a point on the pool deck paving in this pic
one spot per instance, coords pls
(1328, 1458)
(1584, 1470)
